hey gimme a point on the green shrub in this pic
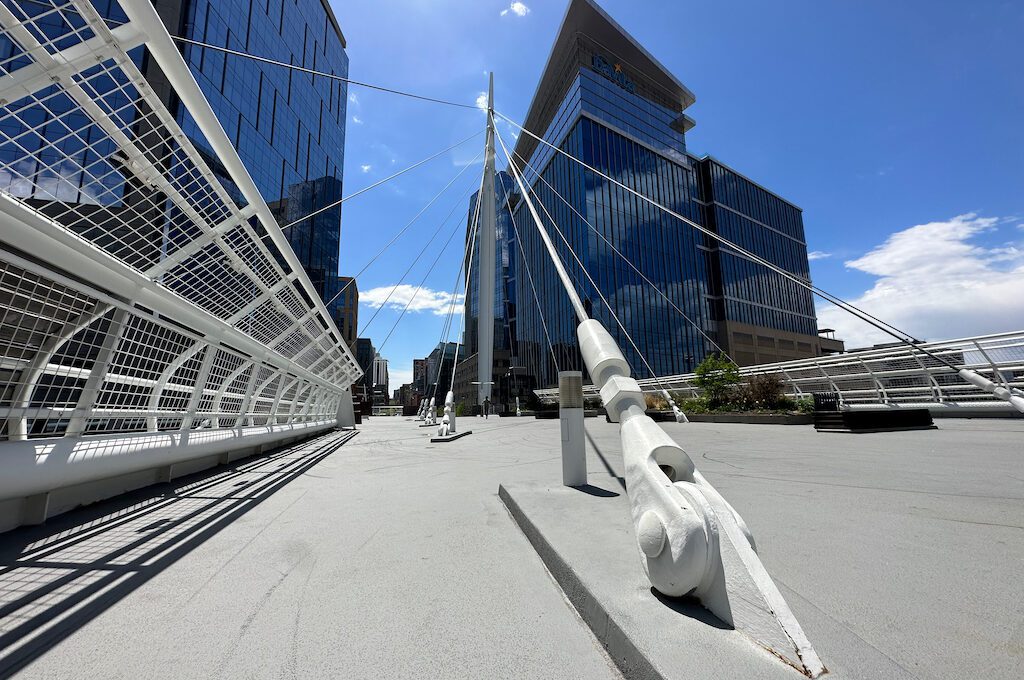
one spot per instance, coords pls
(717, 378)
(693, 405)
(804, 405)
(460, 409)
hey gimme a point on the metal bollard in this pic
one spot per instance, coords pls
(570, 414)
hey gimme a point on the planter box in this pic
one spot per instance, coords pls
(753, 418)
(874, 420)
(553, 415)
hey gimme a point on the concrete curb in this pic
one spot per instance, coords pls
(752, 418)
(630, 661)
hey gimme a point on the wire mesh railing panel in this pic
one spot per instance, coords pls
(896, 375)
(91, 155)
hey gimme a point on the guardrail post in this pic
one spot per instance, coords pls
(87, 399)
(199, 387)
(570, 416)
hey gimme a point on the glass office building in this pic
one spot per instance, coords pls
(288, 127)
(502, 272)
(603, 99)
(467, 373)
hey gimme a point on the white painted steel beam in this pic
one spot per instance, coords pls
(163, 50)
(486, 258)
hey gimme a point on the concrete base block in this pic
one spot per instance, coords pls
(450, 438)
(35, 509)
(165, 474)
(586, 539)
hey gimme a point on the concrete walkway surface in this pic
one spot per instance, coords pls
(386, 556)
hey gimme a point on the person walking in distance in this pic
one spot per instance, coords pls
(487, 407)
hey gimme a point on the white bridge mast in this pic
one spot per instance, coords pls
(486, 270)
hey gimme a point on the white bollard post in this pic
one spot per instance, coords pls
(570, 414)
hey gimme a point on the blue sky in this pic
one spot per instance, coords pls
(896, 126)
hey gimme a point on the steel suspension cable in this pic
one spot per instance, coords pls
(593, 283)
(335, 204)
(320, 74)
(465, 264)
(419, 288)
(529, 276)
(621, 255)
(403, 230)
(883, 326)
(413, 264)
(468, 266)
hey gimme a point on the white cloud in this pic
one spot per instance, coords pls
(481, 101)
(422, 299)
(352, 97)
(936, 283)
(517, 8)
(357, 120)
(365, 168)
(399, 376)
(817, 255)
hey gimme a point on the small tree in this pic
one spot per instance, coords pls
(717, 378)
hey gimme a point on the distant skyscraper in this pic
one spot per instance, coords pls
(439, 370)
(419, 376)
(504, 302)
(346, 310)
(605, 100)
(380, 373)
(365, 352)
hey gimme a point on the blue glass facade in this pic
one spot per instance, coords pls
(628, 123)
(288, 127)
(503, 272)
(762, 223)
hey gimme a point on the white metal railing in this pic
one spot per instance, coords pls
(895, 376)
(137, 293)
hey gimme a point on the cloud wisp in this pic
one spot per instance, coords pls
(419, 299)
(817, 255)
(519, 9)
(936, 282)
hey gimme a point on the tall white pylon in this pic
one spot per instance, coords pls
(486, 269)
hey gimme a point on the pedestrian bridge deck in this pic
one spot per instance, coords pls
(381, 555)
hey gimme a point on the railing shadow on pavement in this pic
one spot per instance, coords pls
(56, 578)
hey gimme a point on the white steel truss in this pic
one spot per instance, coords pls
(137, 292)
(893, 376)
